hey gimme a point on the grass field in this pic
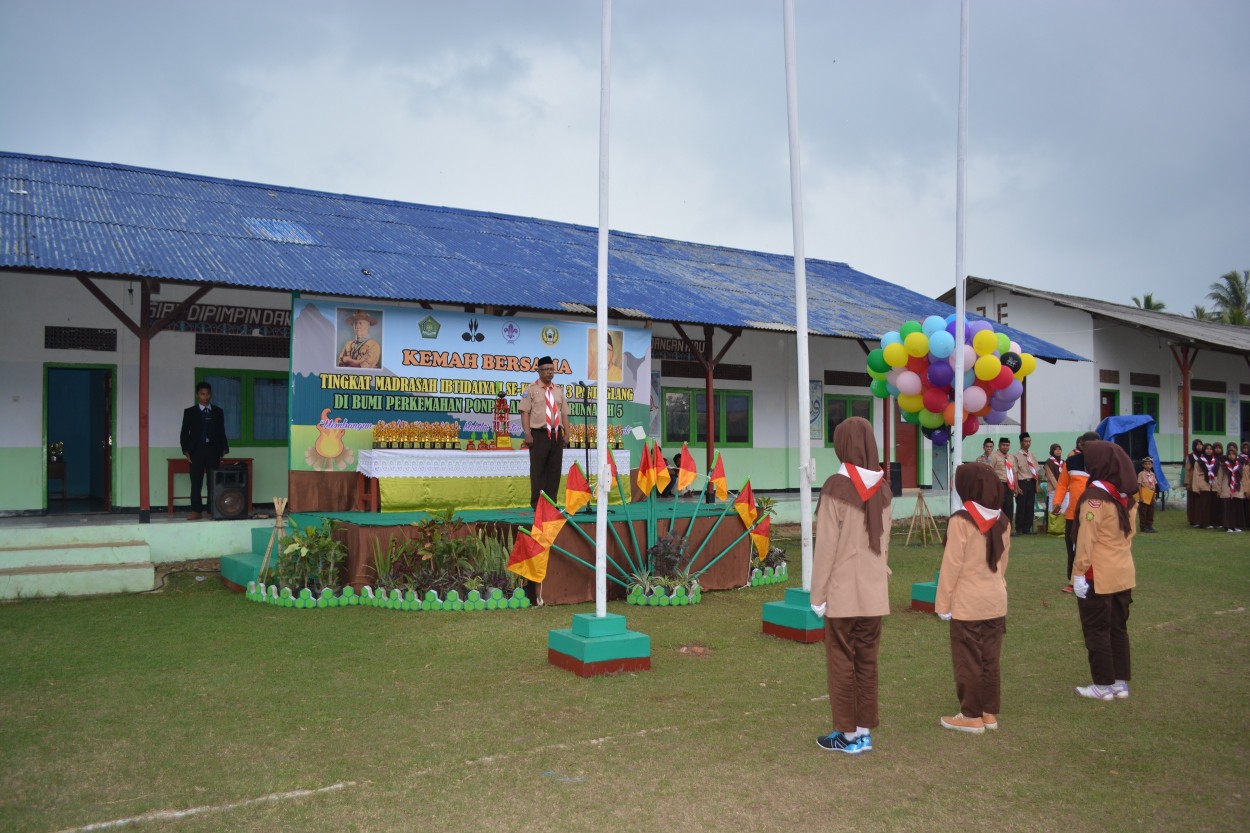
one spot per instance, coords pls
(192, 698)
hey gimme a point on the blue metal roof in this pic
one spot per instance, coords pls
(81, 217)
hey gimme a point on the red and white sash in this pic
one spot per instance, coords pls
(982, 517)
(866, 481)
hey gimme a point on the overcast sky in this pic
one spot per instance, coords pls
(1108, 139)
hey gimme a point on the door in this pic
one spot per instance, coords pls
(78, 425)
(1245, 422)
(1109, 403)
(907, 449)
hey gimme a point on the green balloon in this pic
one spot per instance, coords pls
(928, 419)
(877, 362)
(909, 328)
(879, 388)
(876, 375)
(912, 416)
(1004, 343)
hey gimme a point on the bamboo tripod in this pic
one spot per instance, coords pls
(924, 518)
(279, 523)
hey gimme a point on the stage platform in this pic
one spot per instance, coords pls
(567, 582)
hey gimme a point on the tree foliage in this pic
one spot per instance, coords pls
(1231, 296)
(1148, 301)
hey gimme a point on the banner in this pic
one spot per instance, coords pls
(365, 372)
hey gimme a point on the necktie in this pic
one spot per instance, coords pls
(553, 413)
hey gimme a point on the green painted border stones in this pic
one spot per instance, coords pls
(680, 597)
(760, 578)
(389, 600)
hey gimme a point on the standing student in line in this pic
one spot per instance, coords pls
(1193, 503)
(1071, 484)
(1103, 576)
(1147, 486)
(972, 596)
(1025, 466)
(1206, 487)
(1228, 487)
(849, 583)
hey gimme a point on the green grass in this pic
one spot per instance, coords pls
(118, 706)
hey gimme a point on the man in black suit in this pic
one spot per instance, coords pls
(203, 441)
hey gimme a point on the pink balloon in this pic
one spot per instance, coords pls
(974, 399)
(908, 383)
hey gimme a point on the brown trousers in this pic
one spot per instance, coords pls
(851, 647)
(1146, 515)
(1104, 621)
(975, 651)
(546, 458)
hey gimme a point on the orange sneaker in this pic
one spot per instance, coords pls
(990, 721)
(959, 723)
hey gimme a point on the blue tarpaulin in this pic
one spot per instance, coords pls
(1112, 427)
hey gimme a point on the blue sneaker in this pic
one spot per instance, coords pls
(838, 742)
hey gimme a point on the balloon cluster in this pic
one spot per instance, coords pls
(916, 364)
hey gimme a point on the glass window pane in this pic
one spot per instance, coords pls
(269, 401)
(835, 413)
(861, 408)
(676, 417)
(700, 404)
(737, 418)
(228, 395)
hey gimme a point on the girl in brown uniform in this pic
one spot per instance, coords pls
(972, 596)
(1228, 487)
(849, 583)
(1103, 574)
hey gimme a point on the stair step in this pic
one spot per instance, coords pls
(76, 579)
(78, 555)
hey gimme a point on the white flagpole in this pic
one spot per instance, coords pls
(957, 434)
(601, 321)
(807, 466)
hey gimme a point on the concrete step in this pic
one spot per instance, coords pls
(57, 568)
(61, 554)
(239, 568)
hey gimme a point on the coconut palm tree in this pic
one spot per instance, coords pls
(1231, 294)
(1148, 301)
(1203, 314)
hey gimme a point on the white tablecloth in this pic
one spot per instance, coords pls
(396, 462)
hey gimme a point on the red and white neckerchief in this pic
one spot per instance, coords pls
(553, 412)
(1115, 493)
(1011, 472)
(1151, 480)
(982, 517)
(866, 481)
(1210, 464)
(1234, 474)
(1031, 461)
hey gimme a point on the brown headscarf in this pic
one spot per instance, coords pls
(978, 483)
(1109, 463)
(855, 445)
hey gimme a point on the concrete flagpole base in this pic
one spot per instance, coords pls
(793, 618)
(598, 645)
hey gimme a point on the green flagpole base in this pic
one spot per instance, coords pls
(793, 618)
(924, 595)
(595, 646)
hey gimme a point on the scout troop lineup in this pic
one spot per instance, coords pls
(850, 571)
(1217, 489)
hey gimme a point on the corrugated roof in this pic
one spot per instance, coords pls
(1210, 335)
(81, 217)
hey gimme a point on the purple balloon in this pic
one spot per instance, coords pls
(994, 417)
(941, 374)
(940, 436)
(1014, 390)
(999, 401)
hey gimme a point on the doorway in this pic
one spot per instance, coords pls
(907, 449)
(1109, 403)
(78, 430)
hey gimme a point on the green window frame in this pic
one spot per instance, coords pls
(256, 403)
(1208, 415)
(839, 407)
(1148, 404)
(684, 417)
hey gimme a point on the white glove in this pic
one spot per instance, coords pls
(1080, 586)
(820, 609)
(945, 617)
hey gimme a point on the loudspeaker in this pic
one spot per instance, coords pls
(227, 493)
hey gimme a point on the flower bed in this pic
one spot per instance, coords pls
(394, 600)
(661, 597)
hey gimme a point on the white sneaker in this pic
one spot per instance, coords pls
(1120, 689)
(1093, 691)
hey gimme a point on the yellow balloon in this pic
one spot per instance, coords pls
(987, 367)
(910, 403)
(985, 342)
(1028, 363)
(916, 344)
(894, 354)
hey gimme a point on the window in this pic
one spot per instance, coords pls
(839, 408)
(685, 417)
(1208, 415)
(255, 402)
(1148, 404)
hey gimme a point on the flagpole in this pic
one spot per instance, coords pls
(961, 146)
(601, 318)
(807, 466)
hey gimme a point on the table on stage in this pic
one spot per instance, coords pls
(398, 480)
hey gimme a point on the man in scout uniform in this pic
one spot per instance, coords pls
(545, 419)
(1005, 471)
(1025, 466)
(361, 351)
